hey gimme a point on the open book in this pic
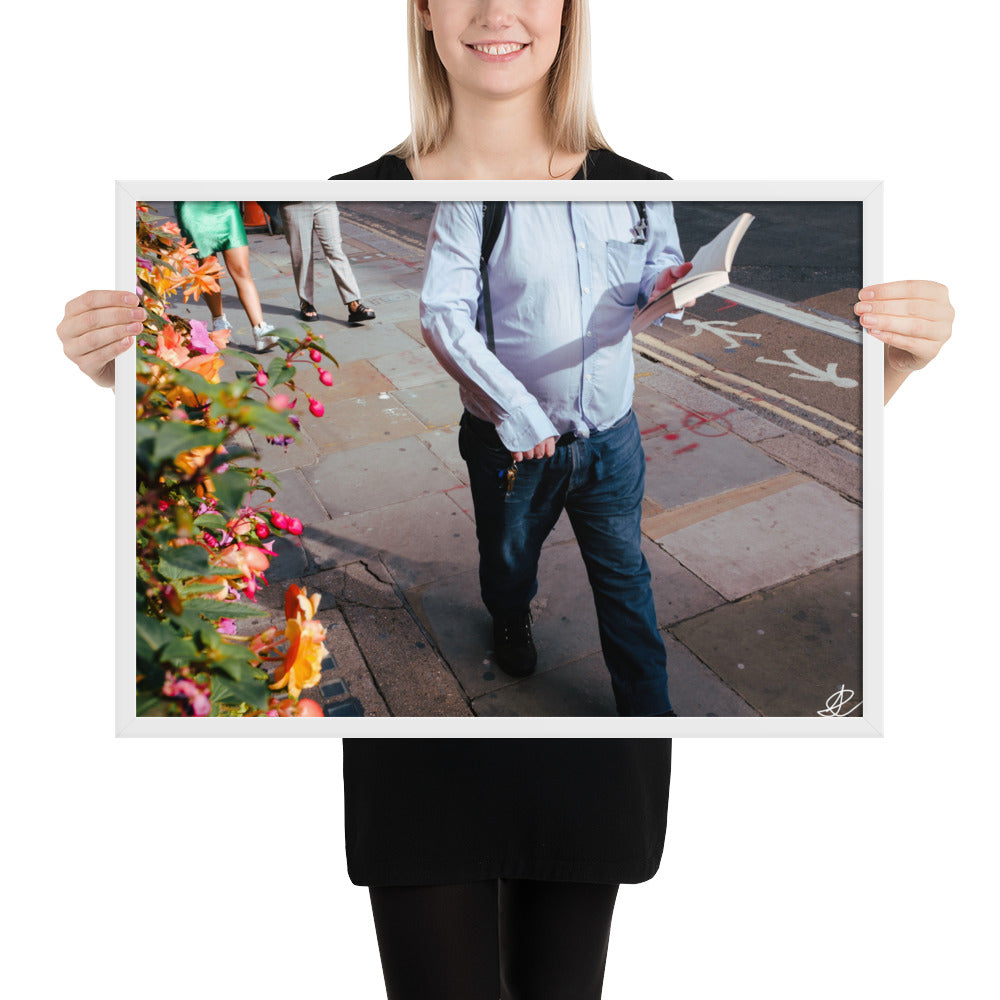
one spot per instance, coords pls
(710, 270)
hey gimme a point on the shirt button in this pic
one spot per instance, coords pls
(589, 377)
(582, 246)
(586, 291)
(590, 333)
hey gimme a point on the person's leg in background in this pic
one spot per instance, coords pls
(326, 219)
(237, 262)
(297, 223)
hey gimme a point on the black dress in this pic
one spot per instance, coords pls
(439, 811)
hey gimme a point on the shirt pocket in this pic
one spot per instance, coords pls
(625, 264)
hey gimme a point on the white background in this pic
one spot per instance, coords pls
(793, 867)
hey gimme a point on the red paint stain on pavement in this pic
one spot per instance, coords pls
(728, 305)
(671, 437)
(690, 447)
(653, 430)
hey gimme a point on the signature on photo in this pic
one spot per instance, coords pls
(838, 701)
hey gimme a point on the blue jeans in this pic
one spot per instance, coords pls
(599, 482)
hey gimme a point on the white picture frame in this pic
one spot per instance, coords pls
(867, 722)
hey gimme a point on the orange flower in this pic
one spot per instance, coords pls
(170, 346)
(219, 337)
(202, 279)
(248, 559)
(206, 365)
(299, 605)
(190, 461)
(301, 667)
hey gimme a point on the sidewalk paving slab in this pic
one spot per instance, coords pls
(418, 540)
(349, 424)
(354, 343)
(376, 475)
(411, 368)
(435, 404)
(788, 649)
(828, 464)
(576, 689)
(770, 540)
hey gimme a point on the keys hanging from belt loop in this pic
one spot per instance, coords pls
(507, 477)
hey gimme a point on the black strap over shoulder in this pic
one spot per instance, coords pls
(493, 216)
(494, 213)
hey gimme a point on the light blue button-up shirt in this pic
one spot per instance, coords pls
(565, 278)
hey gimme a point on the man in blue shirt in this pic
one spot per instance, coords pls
(548, 423)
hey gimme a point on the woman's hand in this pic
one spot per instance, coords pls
(666, 278)
(97, 327)
(912, 318)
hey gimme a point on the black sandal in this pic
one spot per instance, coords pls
(359, 314)
(308, 311)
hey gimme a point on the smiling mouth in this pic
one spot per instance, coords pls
(499, 48)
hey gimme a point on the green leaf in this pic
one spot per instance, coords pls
(238, 664)
(223, 609)
(210, 521)
(244, 356)
(153, 632)
(230, 488)
(230, 692)
(148, 703)
(181, 652)
(182, 561)
(163, 440)
(279, 372)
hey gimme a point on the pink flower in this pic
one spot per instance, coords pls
(200, 340)
(198, 702)
(316, 407)
(227, 626)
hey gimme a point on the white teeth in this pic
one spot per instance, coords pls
(499, 50)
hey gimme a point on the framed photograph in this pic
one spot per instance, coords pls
(344, 444)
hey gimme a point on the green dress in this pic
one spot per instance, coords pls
(211, 226)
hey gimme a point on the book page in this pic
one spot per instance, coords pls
(718, 254)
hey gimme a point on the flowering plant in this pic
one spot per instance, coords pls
(202, 548)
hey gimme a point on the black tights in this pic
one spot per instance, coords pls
(514, 939)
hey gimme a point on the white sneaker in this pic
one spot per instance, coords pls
(221, 323)
(261, 341)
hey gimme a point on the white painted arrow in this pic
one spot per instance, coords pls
(810, 372)
(704, 326)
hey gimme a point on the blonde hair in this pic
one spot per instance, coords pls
(572, 121)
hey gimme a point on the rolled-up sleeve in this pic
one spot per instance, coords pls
(449, 306)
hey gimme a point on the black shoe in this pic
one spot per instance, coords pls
(359, 314)
(513, 645)
(308, 312)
